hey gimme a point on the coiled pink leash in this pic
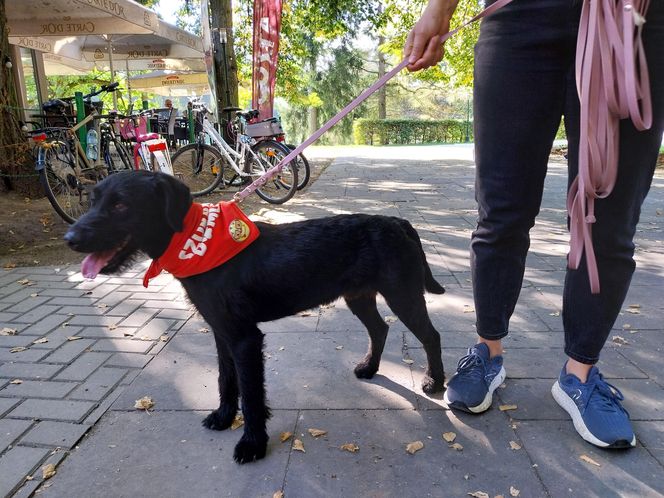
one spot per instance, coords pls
(613, 84)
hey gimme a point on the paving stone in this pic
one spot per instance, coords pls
(171, 444)
(16, 464)
(7, 404)
(55, 457)
(24, 301)
(128, 360)
(83, 366)
(37, 313)
(59, 434)
(82, 310)
(23, 356)
(125, 308)
(154, 329)
(138, 318)
(176, 314)
(123, 345)
(11, 430)
(621, 473)
(28, 370)
(45, 325)
(69, 351)
(38, 389)
(12, 341)
(50, 409)
(90, 320)
(98, 385)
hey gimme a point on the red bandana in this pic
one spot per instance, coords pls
(212, 234)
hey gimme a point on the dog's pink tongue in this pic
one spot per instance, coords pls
(93, 263)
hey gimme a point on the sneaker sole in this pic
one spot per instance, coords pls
(488, 399)
(567, 404)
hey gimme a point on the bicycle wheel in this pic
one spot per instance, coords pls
(117, 158)
(303, 169)
(67, 187)
(280, 188)
(199, 166)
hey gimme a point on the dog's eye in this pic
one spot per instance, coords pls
(120, 207)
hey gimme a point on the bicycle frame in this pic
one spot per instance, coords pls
(231, 155)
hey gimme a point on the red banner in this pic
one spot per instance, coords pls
(267, 24)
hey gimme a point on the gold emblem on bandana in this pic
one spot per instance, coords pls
(239, 230)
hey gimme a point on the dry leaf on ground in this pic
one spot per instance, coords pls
(390, 319)
(456, 446)
(408, 361)
(238, 422)
(298, 446)
(73, 338)
(514, 491)
(589, 460)
(18, 349)
(620, 340)
(414, 447)
(351, 447)
(48, 471)
(7, 331)
(504, 408)
(145, 403)
(40, 341)
(514, 445)
(339, 348)
(468, 309)
(16, 381)
(204, 330)
(449, 436)
(285, 436)
(316, 432)
(278, 494)
(479, 494)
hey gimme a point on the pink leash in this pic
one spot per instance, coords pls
(613, 84)
(259, 182)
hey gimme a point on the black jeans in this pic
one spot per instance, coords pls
(524, 83)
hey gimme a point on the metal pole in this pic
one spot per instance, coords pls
(80, 116)
(128, 84)
(110, 63)
(223, 39)
(467, 120)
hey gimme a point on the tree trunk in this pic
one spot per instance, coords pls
(382, 92)
(14, 150)
(221, 13)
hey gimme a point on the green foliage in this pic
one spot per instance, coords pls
(410, 131)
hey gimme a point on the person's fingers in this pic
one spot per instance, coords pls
(417, 42)
(431, 56)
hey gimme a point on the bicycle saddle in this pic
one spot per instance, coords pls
(144, 137)
(248, 114)
(54, 105)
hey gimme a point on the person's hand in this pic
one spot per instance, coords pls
(423, 46)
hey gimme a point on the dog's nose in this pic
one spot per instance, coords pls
(72, 238)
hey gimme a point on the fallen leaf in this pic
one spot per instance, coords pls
(634, 306)
(414, 447)
(73, 338)
(48, 471)
(479, 494)
(7, 331)
(449, 436)
(112, 326)
(9, 266)
(514, 491)
(25, 281)
(16, 381)
(456, 446)
(204, 330)
(285, 436)
(620, 340)
(351, 447)
(659, 212)
(408, 361)
(514, 445)
(627, 326)
(282, 348)
(589, 460)
(34, 295)
(40, 341)
(339, 348)
(298, 446)
(18, 349)
(468, 309)
(278, 494)
(504, 408)
(316, 432)
(555, 313)
(145, 403)
(633, 311)
(238, 422)
(163, 338)
(390, 319)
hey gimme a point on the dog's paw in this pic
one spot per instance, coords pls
(365, 370)
(219, 420)
(432, 386)
(248, 450)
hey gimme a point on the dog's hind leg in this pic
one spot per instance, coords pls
(222, 417)
(412, 311)
(247, 350)
(364, 307)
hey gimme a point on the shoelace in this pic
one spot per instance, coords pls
(467, 366)
(608, 396)
(613, 84)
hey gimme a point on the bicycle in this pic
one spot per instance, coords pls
(67, 172)
(151, 152)
(204, 167)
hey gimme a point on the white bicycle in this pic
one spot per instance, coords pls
(211, 162)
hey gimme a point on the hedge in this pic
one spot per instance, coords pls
(410, 131)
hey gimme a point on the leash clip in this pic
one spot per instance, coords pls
(639, 20)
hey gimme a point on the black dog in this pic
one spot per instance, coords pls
(287, 269)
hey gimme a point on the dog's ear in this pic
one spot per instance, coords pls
(176, 199)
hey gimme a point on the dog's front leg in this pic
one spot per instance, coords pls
(247, 349)
(222, 417)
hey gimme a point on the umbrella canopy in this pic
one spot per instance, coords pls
(168, 83)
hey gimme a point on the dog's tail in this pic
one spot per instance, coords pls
(430, 283)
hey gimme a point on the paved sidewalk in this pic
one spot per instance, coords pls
(73, 406)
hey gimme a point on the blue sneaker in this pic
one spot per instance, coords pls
(471, 388)
(595, 408)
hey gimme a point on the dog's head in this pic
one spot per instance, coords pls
(130, 212)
